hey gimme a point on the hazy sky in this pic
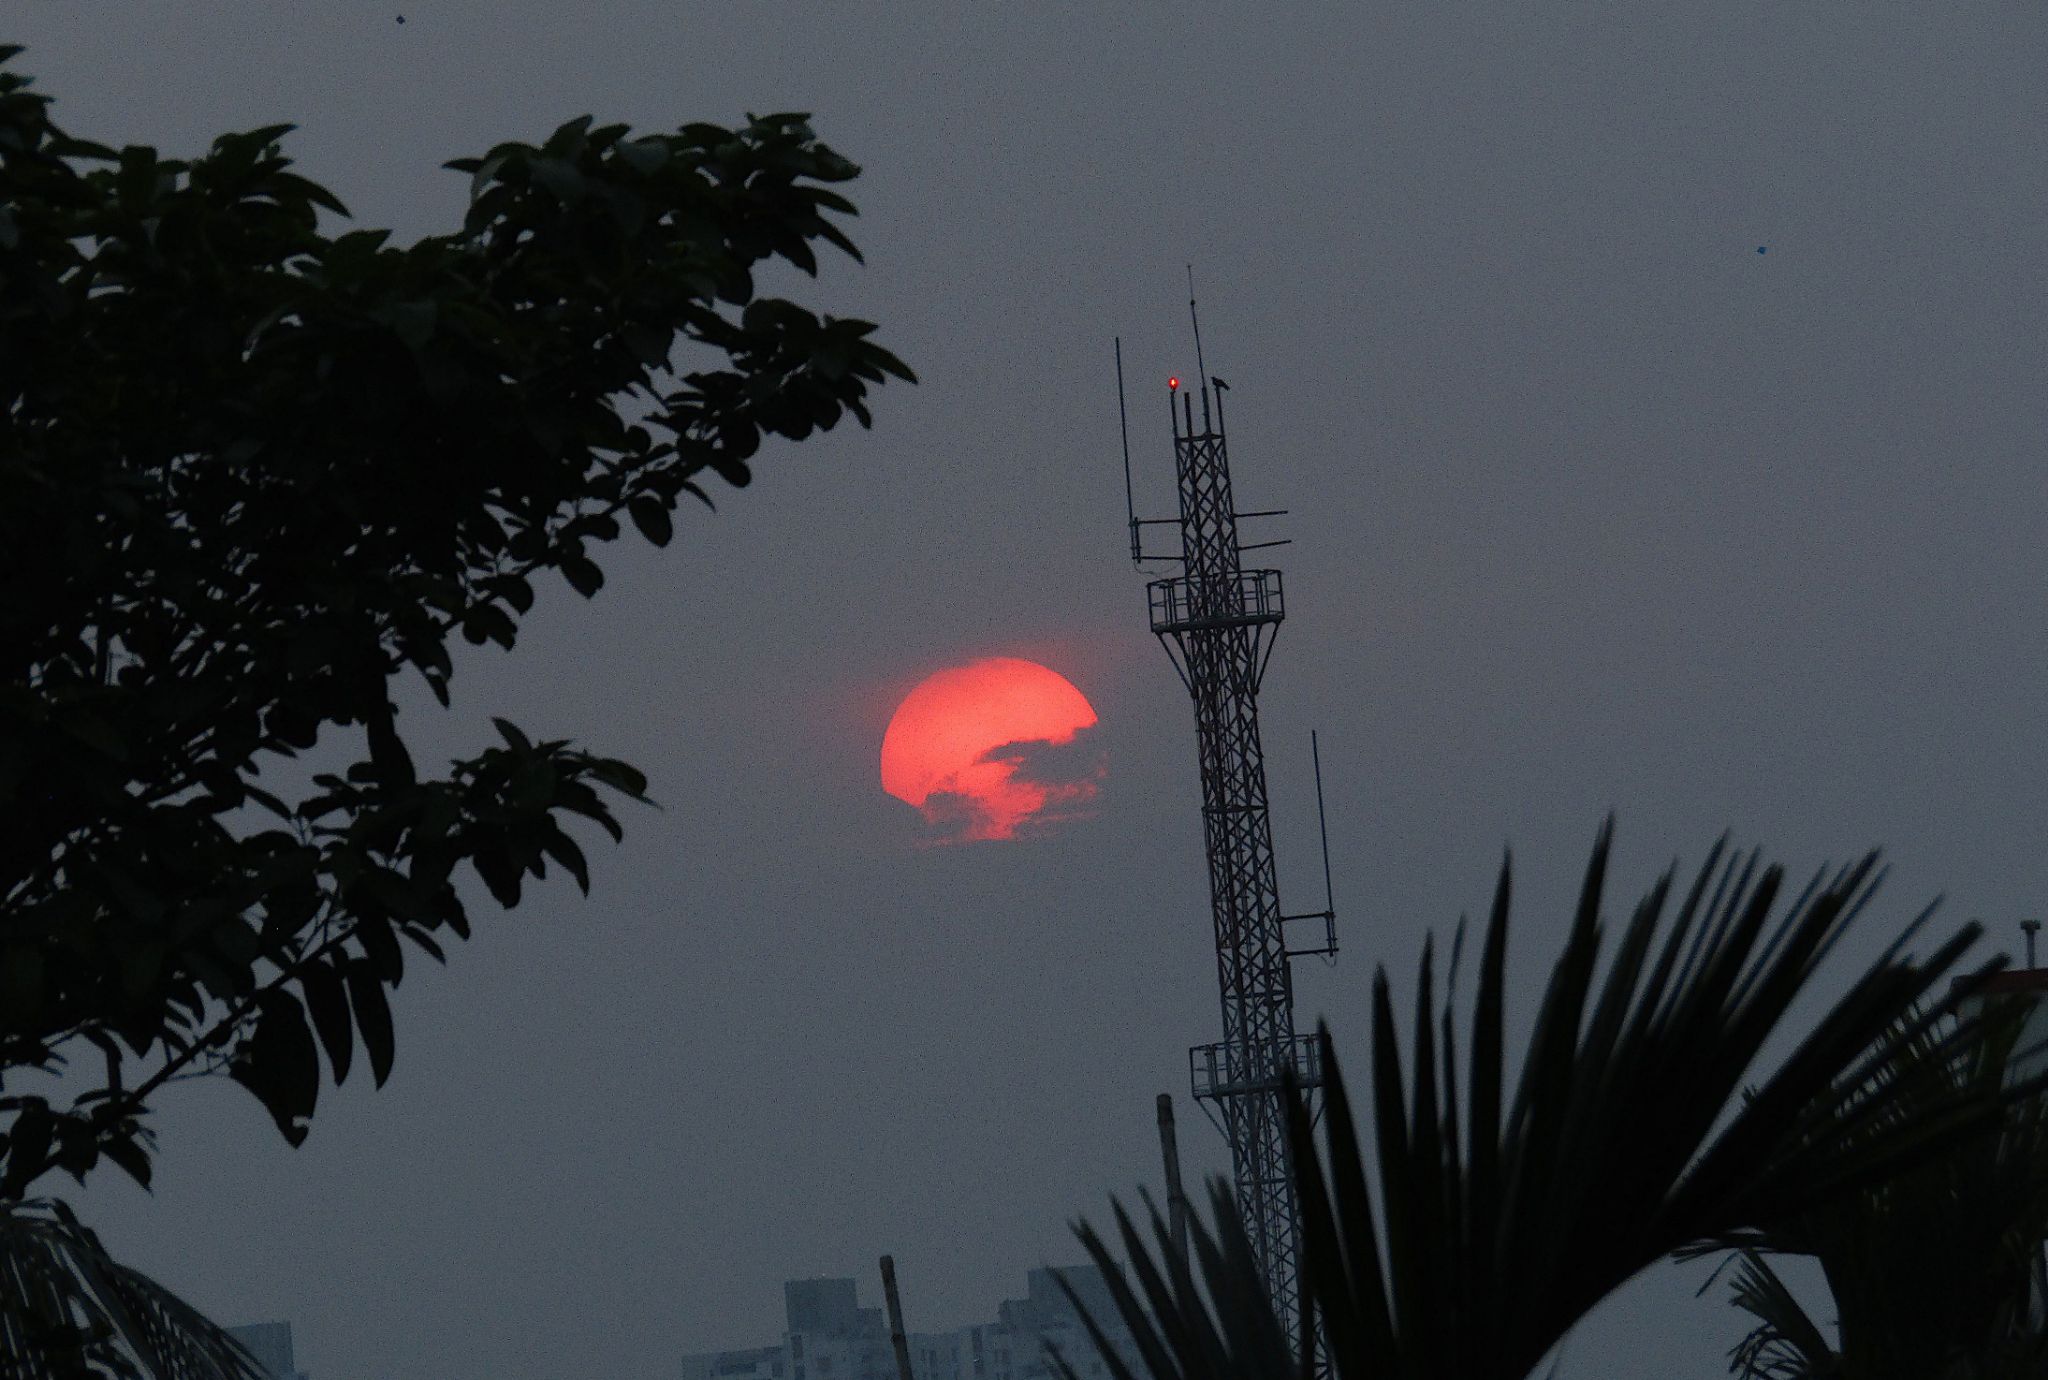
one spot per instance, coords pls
(1594, 507)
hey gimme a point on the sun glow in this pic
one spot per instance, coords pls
(987, 748)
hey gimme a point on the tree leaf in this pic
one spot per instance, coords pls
(327, 1003)
(28, 1146)
(652, 518)
(279, 1063)
(563, 850)
(583, 575)
(380, 947)
(373, 1019)
(131, 1158)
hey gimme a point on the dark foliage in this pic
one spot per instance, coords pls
(68, 1311)
(1485, 1228)
(1935, 1273)
(251, 472)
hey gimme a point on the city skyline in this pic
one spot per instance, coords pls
(829, 1336)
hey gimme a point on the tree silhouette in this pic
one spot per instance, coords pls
(250, 473)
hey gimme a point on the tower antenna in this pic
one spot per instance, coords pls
(1323, 827)
(1123, 422)
(1328, 914)
(1217, 622)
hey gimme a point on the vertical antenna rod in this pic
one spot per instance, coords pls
(1123, 422)
(1201, 369)
(1323, 823)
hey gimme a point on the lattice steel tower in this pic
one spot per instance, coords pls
(1217, 621)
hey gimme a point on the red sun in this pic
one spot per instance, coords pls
(977, 749)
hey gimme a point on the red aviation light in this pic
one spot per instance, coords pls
(1174, 384)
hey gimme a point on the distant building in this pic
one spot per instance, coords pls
(271, 1344)
(829, 1336)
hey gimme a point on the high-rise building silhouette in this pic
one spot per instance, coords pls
(271, 1344)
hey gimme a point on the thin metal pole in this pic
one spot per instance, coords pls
(1176, 1200)
(1201, 367)
(1315, 751)
(896, 1336)
(1123, 422)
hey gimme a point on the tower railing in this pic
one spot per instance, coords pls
(1181, 605)
(1211, 1076)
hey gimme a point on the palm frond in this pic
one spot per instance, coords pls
(1935, 1270)
(1786, 1344)
(1490, 1224)
(68, 1310)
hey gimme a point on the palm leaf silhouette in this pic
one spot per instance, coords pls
(68, 1310)
(1935, 1271)
(1488, 1226)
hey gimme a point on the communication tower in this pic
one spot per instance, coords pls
(1217, 621)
